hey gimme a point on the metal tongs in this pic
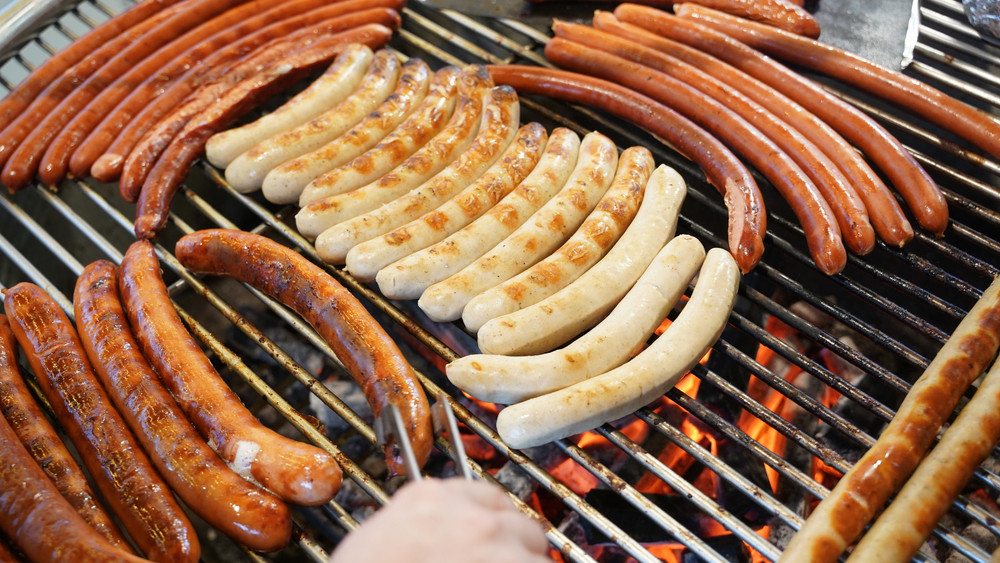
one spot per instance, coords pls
(389, 427)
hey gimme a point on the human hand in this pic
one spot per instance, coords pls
(445, 521)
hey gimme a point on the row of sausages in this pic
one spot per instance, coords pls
(135, 99)
(150, 415)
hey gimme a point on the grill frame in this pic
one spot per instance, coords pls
(924, 307)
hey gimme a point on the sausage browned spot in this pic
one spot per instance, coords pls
(747, 218)
(840, 518)
(116, 461)
(369, 354)
(297, 472)
(166, 175)
(40, 438)
(38, 519)
(230, 503)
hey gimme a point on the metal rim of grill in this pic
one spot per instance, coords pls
(903, 302)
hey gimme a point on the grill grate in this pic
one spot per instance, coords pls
(901, 302)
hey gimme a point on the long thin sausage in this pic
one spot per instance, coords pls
(38, 519)
(173, 165)
(40, 438)
(366, 259)
(297, 472)
(389, 84)
(612, 395)
(196, 43)
(974, 125)
(884, 211)
(836, 189)
(369, 354)
(918, 189)
(23, 163)
(595, 236)
(821, 229)
(744, 202)
(103, 152)
(115, 459)
(840, 518)
(237, 508)
(428, 178)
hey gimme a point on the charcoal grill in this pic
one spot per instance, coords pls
(900, 303)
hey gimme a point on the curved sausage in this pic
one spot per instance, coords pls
(580, 305)
(230, 503)
(884, 211)
(821, 229)
(598, 232)
(430, 178)
(744, 202)
(545, 231)
(104, 150)
(366, 259)
(969, 123)
(40, 438)
(917, 188)
(836, 189)
(339, 80)
(115, 459)
(38, 519)
(369, 354)
(782, 14)
(253, 169)
(408, 277)
(297, 472)
(166, 175)
(161, 64)
(642, 379)
(511, 379)
(426, 121)
(841, 517)
(20, 169)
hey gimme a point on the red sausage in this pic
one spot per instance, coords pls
(747, 219)
(22, 95)
(242, 511)
(974, 125)
(843, 199)
(123, 473)
(40, 438)
(884, 211)
(276, 23)
(295, 471)
(172, 166)
(817, 219)
(918, 189)
(369, 354)
(38, 519)
(210, 36)
(23, 163)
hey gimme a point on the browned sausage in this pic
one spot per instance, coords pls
(747, 218)
(242, 511)
(7, 554)
(172, 166)
(884, 211)
(29, 89)
(162, 65)
(366, 350)
(844, 201)
(155, 92)
(38, 519)
(40, 438)
(20, 169)
(918, 189)
(293, 470)
(115, 459)
(822, 233)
